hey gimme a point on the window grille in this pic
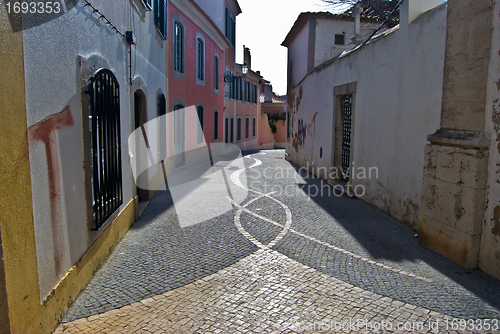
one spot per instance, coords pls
(105, 146)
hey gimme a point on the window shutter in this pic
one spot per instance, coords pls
(228, 23)
(157, 13)
(233, 32)
(164, 18)
(160, 13)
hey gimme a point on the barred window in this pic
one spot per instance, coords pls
(105, 145)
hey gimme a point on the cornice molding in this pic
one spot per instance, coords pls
(194, 12)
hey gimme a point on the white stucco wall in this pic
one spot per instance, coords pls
(397, 104)
(297, 55)
(52, 83)
(489, 254)
(326, 30)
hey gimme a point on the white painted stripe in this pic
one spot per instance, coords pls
(287, 227)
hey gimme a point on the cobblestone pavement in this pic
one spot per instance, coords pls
(286, 259)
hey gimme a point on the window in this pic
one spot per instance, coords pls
(216, 72)
(230, 27)
(238, 129)
(226, 130)
(200, 59)
(228, 24)
(227, 83)
(240, 86)
(232, 129)
(246, 90)
(160, 11)
(199, 137)
(247, 126)
(105, 145)
(216, 125)
(237, 88)
(179, 136)
(233, 32)
(178, 47)
(231, 86)
(250, 92)
(253, 127)
(339, 39)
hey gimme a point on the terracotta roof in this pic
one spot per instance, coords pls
(304, 18)
(275, 99)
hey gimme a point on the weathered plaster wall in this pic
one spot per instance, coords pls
(489, 253)
(266, 136)
(54, 86)
(280, 135)
(397, 103)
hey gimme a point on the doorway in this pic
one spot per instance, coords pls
(346, 108)
(179, 135)
(140, 119)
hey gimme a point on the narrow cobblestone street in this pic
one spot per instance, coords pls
(294, 257)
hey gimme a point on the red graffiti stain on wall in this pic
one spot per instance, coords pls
(45, 131)
(304, 129)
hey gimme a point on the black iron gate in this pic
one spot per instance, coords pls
(105, 145)
(346, 137)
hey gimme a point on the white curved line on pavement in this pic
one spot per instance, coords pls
(288, 223)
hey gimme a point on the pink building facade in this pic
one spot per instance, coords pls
(196, 73)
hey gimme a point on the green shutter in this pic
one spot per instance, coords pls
(228, 23)
(233, 32)
(160, 13)
(164, 19)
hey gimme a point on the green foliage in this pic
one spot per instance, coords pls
(276, 117)
(272, 125)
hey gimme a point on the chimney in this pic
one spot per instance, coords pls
(247, 58)
(357, 38)
(411, 9)
(268, 93)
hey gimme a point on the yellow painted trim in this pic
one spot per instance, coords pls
(80, 274)
(16, 222)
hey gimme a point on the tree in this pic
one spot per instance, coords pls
(374, 9)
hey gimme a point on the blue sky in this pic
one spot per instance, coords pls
(262, 26)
